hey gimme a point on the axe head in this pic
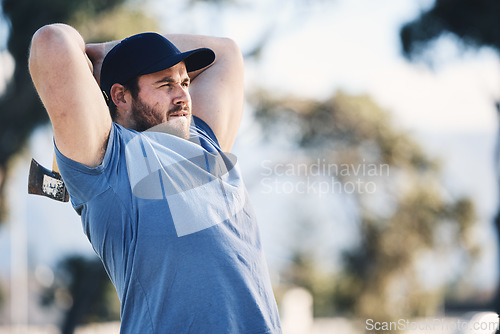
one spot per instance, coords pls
(48, 183)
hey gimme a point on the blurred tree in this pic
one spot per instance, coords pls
(20, 108)
(474, 24)
(402, 217)
(21, 112)
(84, 291)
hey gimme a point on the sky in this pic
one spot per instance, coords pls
(313, 50)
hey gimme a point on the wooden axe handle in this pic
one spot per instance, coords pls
(54, 164)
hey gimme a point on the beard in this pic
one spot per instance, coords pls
(146, 117)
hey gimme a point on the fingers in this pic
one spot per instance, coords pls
(96, 53)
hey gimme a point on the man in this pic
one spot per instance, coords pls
(161, 204)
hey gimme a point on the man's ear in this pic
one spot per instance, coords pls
(121, 96)
(123, 100)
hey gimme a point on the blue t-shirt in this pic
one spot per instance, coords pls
(171, 220)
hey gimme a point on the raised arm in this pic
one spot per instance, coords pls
(217, 91)
(62, 74)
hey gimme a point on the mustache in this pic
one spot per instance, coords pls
(178, 108)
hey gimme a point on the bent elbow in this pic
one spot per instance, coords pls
(232, 48)
(231, 53)
(46, 36)
(41, 43)
(49, 43)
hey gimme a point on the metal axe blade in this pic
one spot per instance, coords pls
(48, 183)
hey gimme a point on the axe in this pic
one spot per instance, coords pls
(48, 183)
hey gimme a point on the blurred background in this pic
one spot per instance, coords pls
(368, 146)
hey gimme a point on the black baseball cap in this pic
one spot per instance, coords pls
(147, 53)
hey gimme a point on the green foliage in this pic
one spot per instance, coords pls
(473, 22)
(116, 23)
(304, 272)
(398, 223)
(83, 290)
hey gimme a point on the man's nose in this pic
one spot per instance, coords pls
(181, 95)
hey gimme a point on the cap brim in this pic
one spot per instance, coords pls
(198, 59)
(194, 60)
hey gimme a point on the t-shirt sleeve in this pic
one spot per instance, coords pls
(204, 130)
(84, 183)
